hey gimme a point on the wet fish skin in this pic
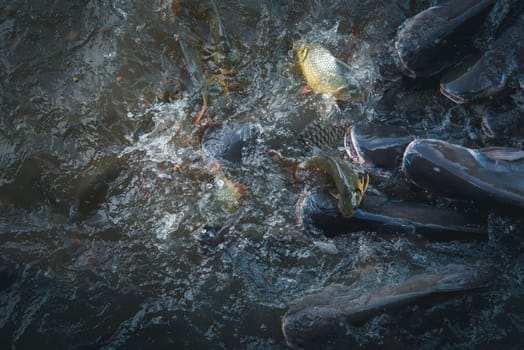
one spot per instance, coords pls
(377, 145)
(350, 186)
(230, 143)
(318, 214)
(226, 56)
(424, 39)
(490, 176)
(93, 193)
(329, 314)
(501, 122)
(492, 72)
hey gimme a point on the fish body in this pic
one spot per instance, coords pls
(325, 74)
(327, 316)
(492, 73)
(318, 214)
(227, 192)
(323, 135)
(350, 186)
(377, 145)
(434, 39)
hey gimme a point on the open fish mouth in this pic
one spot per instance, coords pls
(486, 128)
(401, 64)
(351, 146)
(453, 97)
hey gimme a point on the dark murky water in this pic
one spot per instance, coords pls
(104, 188)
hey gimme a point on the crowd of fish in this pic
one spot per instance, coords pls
(174, 199)
(443, 43)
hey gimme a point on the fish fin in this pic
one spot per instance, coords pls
(305, 91)
(363, 183)
(503, 153)
(334, 193)
(200, 114)
(239, 189)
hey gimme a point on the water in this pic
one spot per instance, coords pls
(105, 190)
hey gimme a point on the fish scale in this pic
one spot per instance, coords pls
(320, 67)
(322, 135)
(324, 73)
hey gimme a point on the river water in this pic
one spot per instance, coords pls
(105, 190)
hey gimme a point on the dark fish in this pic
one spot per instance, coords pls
(377, 145)
(491, 73)
(502, 122)
(318, 214)
(432, 40)
(485, 77)
(492, 176)
(231, 143)
(210, 236)
(327, 316)
(28, 188)
(226, 56)
(94, 191)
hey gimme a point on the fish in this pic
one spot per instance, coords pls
(491, 176)
(377, 145)
(196, 69)
(327, 75)
(433, 39)
(93, 191)
(490, 74)
(349, 185)
(502, 122)
(318, 215)
(326, 317)
(227, 192)
(225, 54)
(322, 135)
(231, 143)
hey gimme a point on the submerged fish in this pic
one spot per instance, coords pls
(227, 192)
(329, 315)
(489, 175)
(327, 75)
(318, 214)
(231, 143)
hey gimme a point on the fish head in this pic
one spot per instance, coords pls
(302, 50)
(351, 201)
(362, 186)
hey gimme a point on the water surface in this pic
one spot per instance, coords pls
(105, 190)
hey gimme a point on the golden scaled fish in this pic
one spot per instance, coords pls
(325, 74)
